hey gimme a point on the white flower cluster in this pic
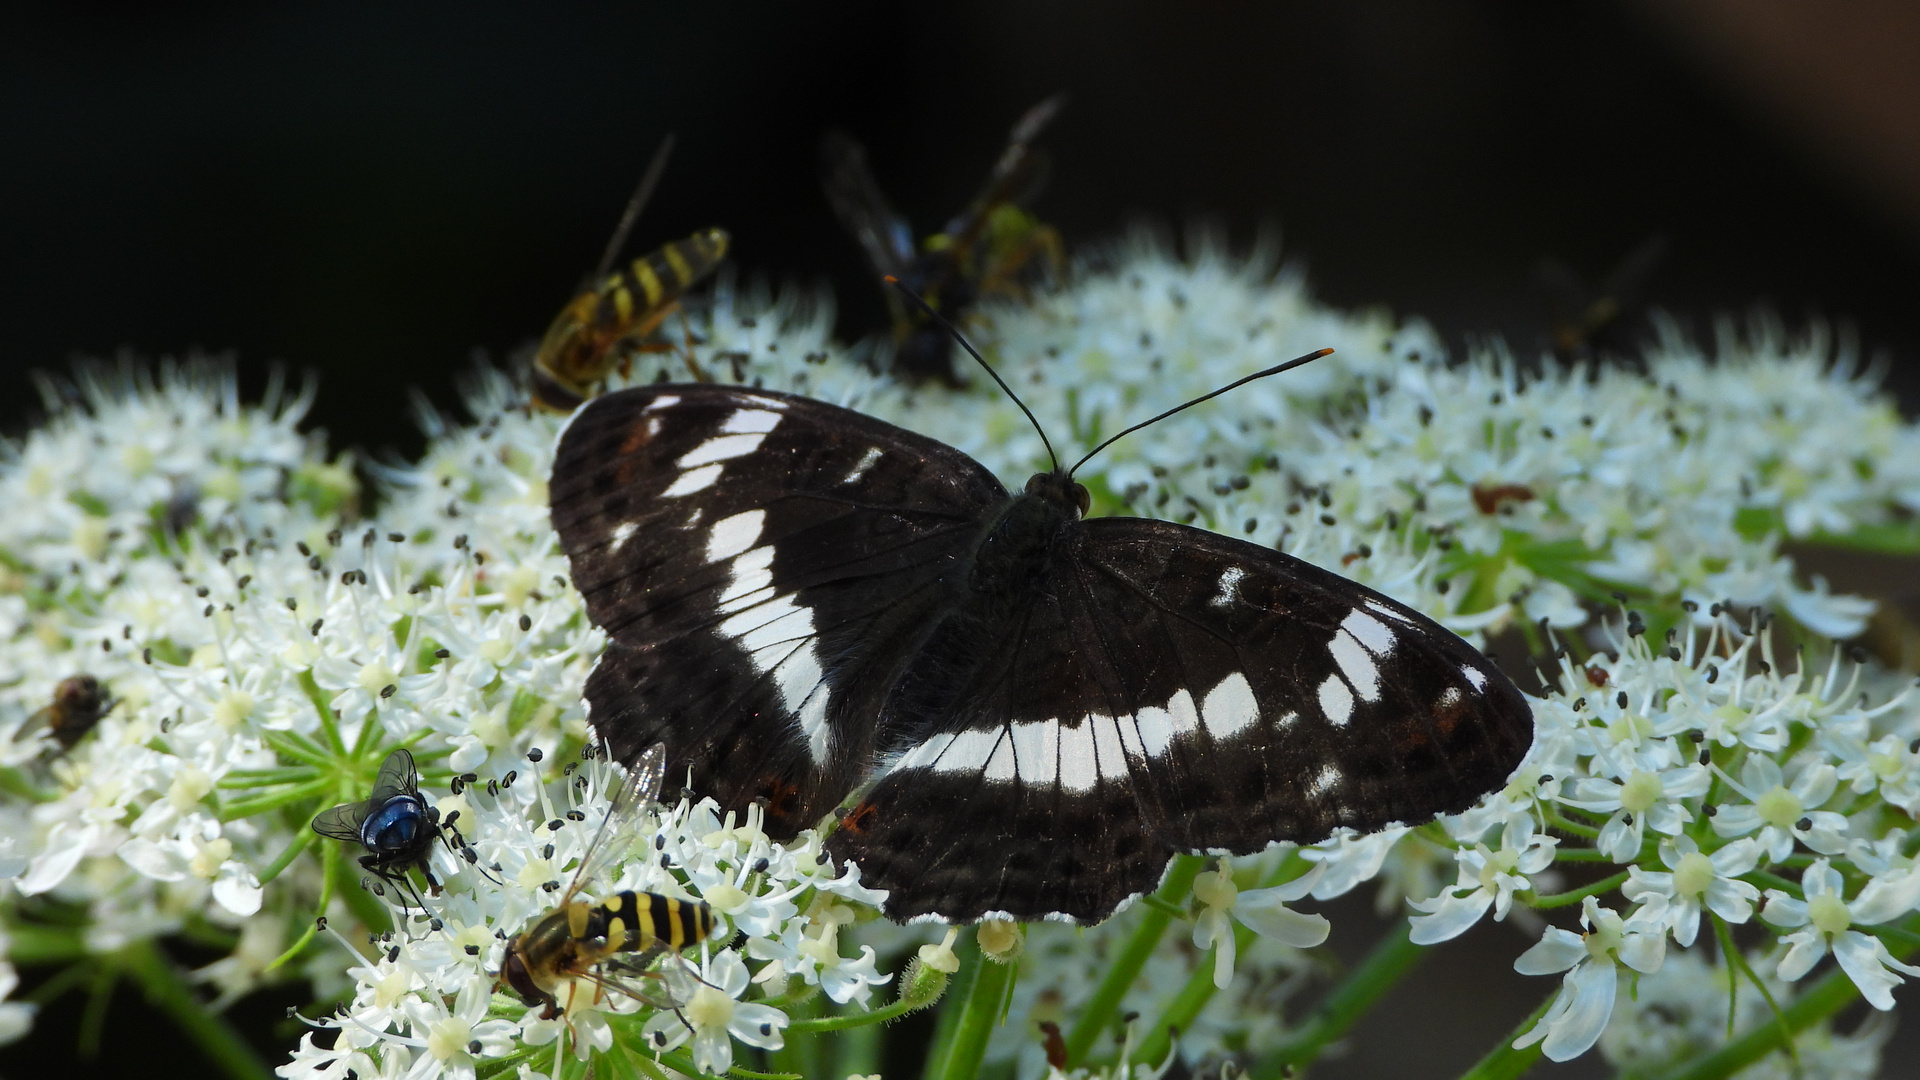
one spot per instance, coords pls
(265, 644)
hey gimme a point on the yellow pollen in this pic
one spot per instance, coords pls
(1780, 807)
(1640, 792)
(1693, 875)
(1829, 913)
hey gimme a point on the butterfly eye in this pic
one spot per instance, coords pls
(1082, 500)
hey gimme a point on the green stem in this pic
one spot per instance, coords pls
(848, 1021)
(242, 808)
(300, 841)
(1826, 997)
(1100, 1008)
(1503, 1062)
(170, 993)
(1554, 900)
(1390, 959)
(979, 1015)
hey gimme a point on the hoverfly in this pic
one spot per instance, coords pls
(573, 939)
(394, 824)
(615, 313)
(986, 249)
(79, 701)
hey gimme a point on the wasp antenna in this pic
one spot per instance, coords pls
(948, 327)
(648, 181)
(1275, 370)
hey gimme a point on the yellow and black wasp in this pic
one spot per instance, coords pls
(987, 249)
(616, 313)
(79, 701)
(578, 941)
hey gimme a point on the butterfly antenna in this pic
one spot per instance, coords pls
(648, 181)
(936, 317)
(1275, 370)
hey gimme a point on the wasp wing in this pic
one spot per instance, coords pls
(861, 206)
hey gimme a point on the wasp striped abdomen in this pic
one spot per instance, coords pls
(592, 334)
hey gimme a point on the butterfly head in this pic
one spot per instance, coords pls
(1060, 488)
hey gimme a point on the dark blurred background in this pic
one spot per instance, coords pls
(374, 192)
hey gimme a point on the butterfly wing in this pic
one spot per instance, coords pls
(1177, 690)
(763, 565)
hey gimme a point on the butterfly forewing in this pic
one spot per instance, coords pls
(763, 564)
(801, 599)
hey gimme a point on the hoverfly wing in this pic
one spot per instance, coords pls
(615, 834)
(641, 195)
(861, 206)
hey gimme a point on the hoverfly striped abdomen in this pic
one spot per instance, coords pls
(639, 921)
(592, 333)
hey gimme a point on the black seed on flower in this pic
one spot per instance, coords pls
(766, 1029)
(1713, 674)
(1712, 810)
(1628, 818)
(314, 563)
(1621, 699)
(389, 690)
(576, 815)
(1706, 756)
(547, 852)
(302, 545)
(396, 537)
(1697, 735)
(457, 785)
(473, 950)
(436, 925)
(1579, 704)
(1673, 652)
(245, 580)
(760, 865)
(442, 654)
(550, 886)
(1442, 586)
(493, 787)
(201, 591)
(1328, 519)
(1546, 778)
(313, 629)
(660, 842)
(507, 780)
(535, 754)
(453, 817)
(146, 655)
(526, 623)
(207, 611)
(393, 954)
(554, 825)
(460, 542)
(1803, 824)
(1689, 605)
(333, 537)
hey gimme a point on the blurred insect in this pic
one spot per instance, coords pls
(988, 249)
(79, 701)
(394, 824)
(580, 941)
(1583, 320)
(616, 313)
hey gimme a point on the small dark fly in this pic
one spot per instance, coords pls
(578, 941)
(988, 249)
(394, 824)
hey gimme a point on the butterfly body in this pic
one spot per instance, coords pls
(1030, 710)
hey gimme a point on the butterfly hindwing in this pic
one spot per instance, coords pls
(757, 560)
(1177, 690)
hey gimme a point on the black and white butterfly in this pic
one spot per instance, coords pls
(1037, 710)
